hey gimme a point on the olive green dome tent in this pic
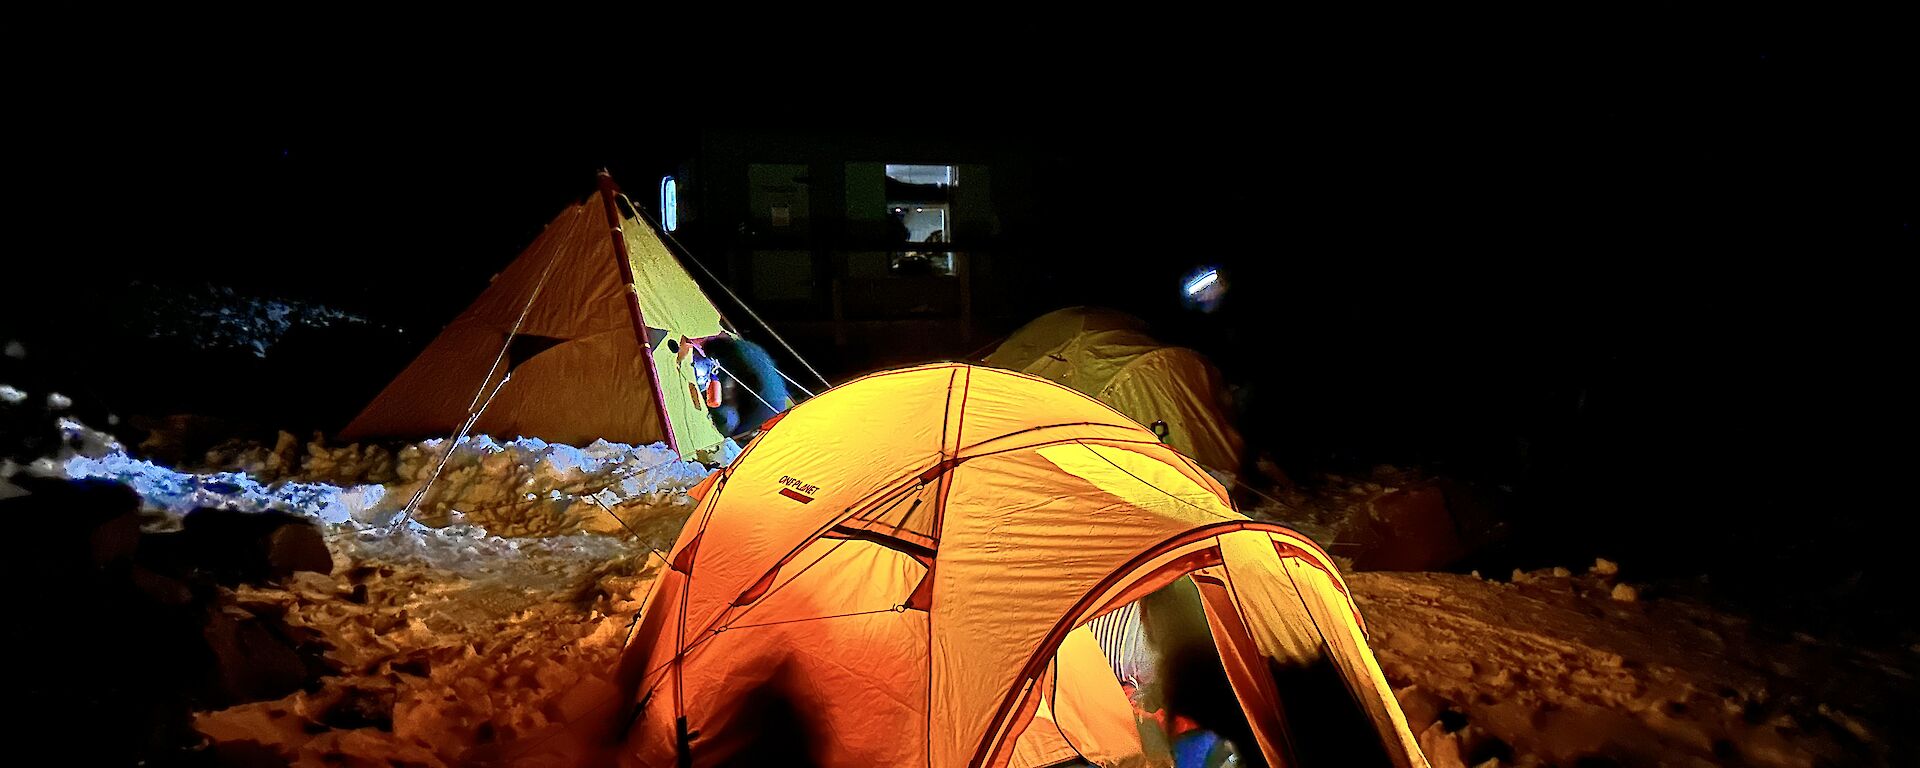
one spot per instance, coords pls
(1107, 355)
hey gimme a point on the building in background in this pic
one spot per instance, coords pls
(863, 250)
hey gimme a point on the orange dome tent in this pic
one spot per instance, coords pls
(908, 564)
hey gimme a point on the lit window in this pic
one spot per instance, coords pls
(919, 205)
(669, 204)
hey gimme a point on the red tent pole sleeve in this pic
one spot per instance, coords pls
(607, 193)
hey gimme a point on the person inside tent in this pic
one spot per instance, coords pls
(751, 390)
(1164, 656)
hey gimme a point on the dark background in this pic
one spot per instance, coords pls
(1655, 295)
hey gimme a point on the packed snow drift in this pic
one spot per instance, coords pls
(501, 608)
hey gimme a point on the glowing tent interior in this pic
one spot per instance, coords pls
(904, 569)
(590, 333)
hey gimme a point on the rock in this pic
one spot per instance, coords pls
(1625, 593)
(1420, 706)
(1561, 573)
(252, 547)
(73, 528)
(1604, 567)
(1405, 530)
(1442, 748)
(179, 438)
(297, 547)
(251, 661)
(284, 459)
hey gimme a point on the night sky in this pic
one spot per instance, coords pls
(1643, 285)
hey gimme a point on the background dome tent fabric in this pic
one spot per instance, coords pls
(1108, 355)
(905, 567)
(1035, 339)
(599, 277)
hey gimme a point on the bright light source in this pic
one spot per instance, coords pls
(1203, 289)
(1198, 284)
(669, 204)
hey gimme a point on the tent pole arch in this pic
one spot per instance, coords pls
(1131, 578)
(607, 192)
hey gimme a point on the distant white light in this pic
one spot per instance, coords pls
(1198, 284)
(669, 204)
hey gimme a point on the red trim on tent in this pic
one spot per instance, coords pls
(683, 562)
(607, 192)
(759, 588)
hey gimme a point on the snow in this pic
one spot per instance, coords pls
(497, 612)
(7, 470)
(11, 395)
(458, 638)
(502, 610)
(1553, 670)
(180, 492)
(469, 640)
(518, 488)
(219, 317)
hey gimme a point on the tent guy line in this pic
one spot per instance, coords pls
(684, 251)
(476, 408)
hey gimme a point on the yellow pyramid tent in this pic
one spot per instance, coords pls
(1107, 355)
(905, 568)
(600, 315)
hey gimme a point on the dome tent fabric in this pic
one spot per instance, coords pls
(910, 561)
(1108, 356)
(600, 315)
(1037, 338)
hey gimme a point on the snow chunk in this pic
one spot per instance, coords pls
(11, 395)
(219, 317)
(86, 440)
(59, 402)
(517, 488)
(16, 350)
(168, 490)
